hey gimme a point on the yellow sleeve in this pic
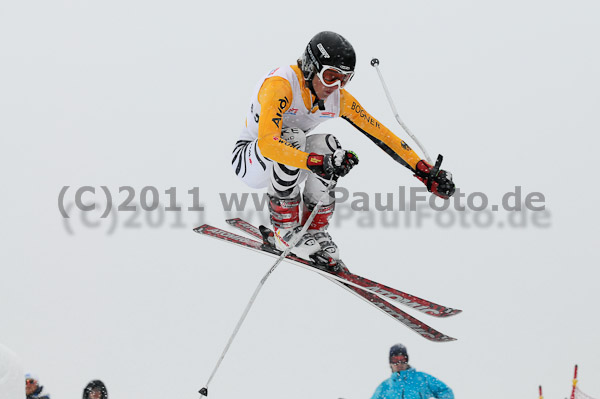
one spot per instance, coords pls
(358, 117)
(275, 97)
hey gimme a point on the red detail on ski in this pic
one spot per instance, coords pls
(420, 304)
(411, 322)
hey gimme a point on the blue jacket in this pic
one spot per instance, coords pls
(412, 384)
(38, 394)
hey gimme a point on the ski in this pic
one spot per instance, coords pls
(353, 286)
(422, 305)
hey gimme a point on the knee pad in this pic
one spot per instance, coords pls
(295, 137)
(322, 143)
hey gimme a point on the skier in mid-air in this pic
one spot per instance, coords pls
(277, 149)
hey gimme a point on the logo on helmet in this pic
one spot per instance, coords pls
(323, 51)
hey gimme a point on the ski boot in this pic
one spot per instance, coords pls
(285, 218)
(318, 228)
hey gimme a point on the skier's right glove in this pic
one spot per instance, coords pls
(337, 164)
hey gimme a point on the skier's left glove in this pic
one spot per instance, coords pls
(337, 164)
(438, 181)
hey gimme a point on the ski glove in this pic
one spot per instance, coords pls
(438, 181)
(337, 164)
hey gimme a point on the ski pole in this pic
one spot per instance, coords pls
(293, 242)
(375, 63)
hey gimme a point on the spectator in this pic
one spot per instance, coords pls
(33, 389)
(408, 383)
(95, 390)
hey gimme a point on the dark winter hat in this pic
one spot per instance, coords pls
(397, 352)
(95, 384)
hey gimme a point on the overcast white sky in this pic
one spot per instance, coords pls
(133, 93)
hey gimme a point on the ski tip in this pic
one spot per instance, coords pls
(442, 338)
(441, 312)
(200, 229)
(233, 221)
(449, 312)
(435, 336)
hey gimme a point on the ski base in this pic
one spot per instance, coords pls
(373, 293)
(392, 294)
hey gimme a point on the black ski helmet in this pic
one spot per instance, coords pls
(398, 350)
(327, 48)
(95, 384)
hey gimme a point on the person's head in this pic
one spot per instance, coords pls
(31, 384)
(95, 390)
(327, 63)
(398, 358)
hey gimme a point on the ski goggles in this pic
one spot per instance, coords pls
(398, 359)
(332, 76)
